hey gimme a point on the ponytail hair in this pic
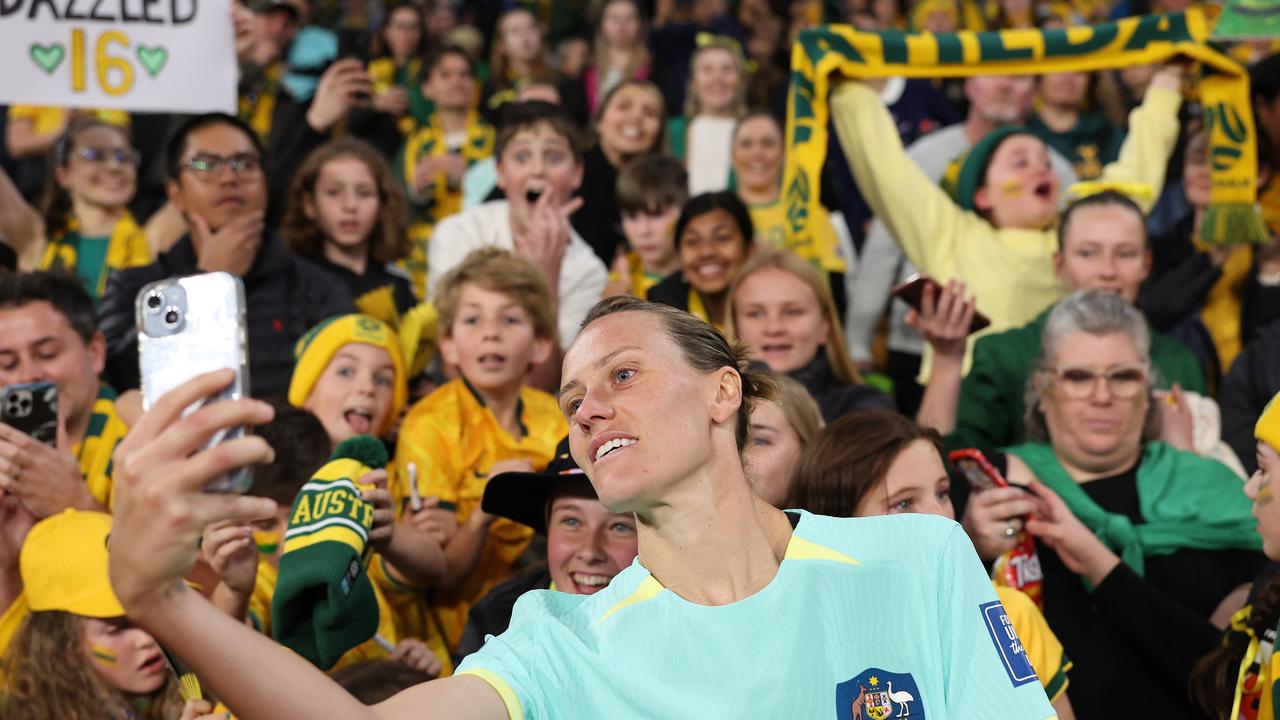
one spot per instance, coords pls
(704, 348)
(1212, 682)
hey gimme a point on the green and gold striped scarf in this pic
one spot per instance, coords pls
(127, 247)
(1224, 89)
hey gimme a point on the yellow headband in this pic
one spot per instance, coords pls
(1138, 192)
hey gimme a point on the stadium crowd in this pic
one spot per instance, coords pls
(537, 361)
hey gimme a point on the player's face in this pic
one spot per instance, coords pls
(492, 341)
(1265, 509)
(773, 449)
(37, 344)
(916, 482)
(354, 394)
(778, 315)
(126, 657)
(640, 417)
(587, 545)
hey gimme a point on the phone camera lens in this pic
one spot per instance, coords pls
(154, 301)
(172, 317)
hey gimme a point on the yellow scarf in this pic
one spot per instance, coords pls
(127, 247)
(1224, 90)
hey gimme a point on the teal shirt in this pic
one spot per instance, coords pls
(91, 261)
(895, 614)
(991, 413)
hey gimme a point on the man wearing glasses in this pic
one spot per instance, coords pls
(216, 179)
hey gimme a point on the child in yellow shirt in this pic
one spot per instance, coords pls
(497, 322)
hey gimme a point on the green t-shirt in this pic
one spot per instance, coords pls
(91, 261)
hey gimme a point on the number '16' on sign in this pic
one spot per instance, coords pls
(112, 68)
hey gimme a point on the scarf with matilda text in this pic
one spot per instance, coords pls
(1232, 216)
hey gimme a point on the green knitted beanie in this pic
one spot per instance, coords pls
(324, 604)
(973, 165)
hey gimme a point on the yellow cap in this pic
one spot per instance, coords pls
(315, 349)
(64, 565)
(1268, 428)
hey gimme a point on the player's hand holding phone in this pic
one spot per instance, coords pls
(161, 469)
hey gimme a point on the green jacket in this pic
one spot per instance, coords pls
(991, 412)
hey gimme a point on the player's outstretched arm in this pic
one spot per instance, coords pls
(160, 513)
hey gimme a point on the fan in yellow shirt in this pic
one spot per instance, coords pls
(496, 319)
(998, 236)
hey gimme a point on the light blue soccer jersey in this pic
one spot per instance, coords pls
(866, 619)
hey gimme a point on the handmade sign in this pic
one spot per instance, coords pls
(144, 55)
(1232, 216)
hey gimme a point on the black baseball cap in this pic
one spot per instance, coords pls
(523, 496)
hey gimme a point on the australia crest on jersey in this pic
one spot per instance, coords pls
(876, 694)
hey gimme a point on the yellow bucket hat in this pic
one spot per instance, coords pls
(64, 565)
(1268, 428)
(315, 349)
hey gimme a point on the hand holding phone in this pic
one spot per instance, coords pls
(33, 409)
(912, 292)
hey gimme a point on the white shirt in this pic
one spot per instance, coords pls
(710, 152)
(582, 274)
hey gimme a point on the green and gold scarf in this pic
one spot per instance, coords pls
(1232, 216)
(127, 247)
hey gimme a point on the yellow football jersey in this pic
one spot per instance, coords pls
(454, 440)
(106, 430)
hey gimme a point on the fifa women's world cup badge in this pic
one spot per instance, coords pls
(875, 694)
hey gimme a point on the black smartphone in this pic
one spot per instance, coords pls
(354, 43)
(33, 409)
(911, 291)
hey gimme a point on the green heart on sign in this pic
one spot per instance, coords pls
(49, 57)
(153, 58)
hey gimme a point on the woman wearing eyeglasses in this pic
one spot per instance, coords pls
(1177, 521)
(85, 226)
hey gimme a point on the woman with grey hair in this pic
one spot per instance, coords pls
(1173, 520)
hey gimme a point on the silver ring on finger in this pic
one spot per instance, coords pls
(1009, 531)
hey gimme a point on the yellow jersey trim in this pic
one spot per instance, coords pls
(801, 549)
(647, 590)
(500, 686)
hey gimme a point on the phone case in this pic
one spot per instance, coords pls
(977, 470)
(33, 409)
(911, 291)
(209, 335)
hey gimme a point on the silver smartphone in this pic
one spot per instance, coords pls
(190, 326)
